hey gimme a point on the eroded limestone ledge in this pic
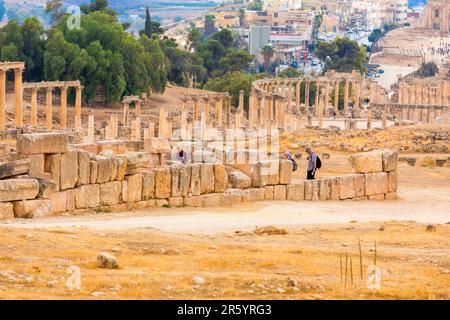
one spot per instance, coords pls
(59, 178)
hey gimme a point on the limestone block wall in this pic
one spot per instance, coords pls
(60, 180)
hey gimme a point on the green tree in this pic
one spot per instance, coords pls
(33, 49)
(209, 24)
(225, 37)
(342, 55)
(236, 60)
(194, 38)
(429, 69)
(290, 73)
(148, 24)
(268, 52)
(97, 6)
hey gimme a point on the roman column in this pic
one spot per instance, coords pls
(34, 109)
(346, 93)
(18, 98)
(336, 97)
(326, 100)
(307, 95)
(63, 110)
(297, 94)
(2, 100)
(316, 98)
(49, 108)
(78, 107)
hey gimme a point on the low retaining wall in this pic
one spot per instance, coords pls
(54, 179)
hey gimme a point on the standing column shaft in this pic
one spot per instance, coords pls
(336, 98)
(346, 93)
(2, 100)
(63, 111)
(78, 108)
(34, 111)
(307, 96)
(316, 99)
(49, 109)
(297, 95)
(18, 98)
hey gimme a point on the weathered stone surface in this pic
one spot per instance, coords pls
(18, 189)
(58, 201)
(163, 186)
(105, 167)
(148, 185)
(46, 188)
(106, 260)
(110, 193)
(70, 199)
(134, 187)
(194, 189)
(268, 193)
(6, 211)
(253, 194)
(220, 178)
(176, 201)
(285, 171)
(161, 203)
(157, 145)
(367, 162)
(239, 180)
(121, 164)
(315, 190)
(53, 165)
(296, 191)
(279, 192)
(359, 183)
(273, 177)
(14, 168)
(84, 168)
(206, 178)
(390, 159)
(37, 167)
(308, 189)
(32, 208)
(94, 171)
(377, 197)
(390, 196)
(212, 200)
(42, 143)
(325, 189)
(258, 174)
(392, 181)
(232, 196)
(69, 170)
(346, 187)
(87, 196)
(376, 183)
(194, 201)
(335, 190)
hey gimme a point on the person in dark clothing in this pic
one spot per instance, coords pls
(312, 164)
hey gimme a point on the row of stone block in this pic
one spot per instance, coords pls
(384, 160)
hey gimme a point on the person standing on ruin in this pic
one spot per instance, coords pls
(312, 164)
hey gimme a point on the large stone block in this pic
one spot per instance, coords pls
(93, 170)
(359, 183)
(220, 178)
(335, 190)
(390, 159)
(194, 201)
(44, 143)
(376, 183)
(105, 168)
(84, 168)
(37, 167)
(206, 178)
(239, 180)
(346, 187)
(325, 189)
(181, 179)
(18, 189)
(87, 196)
(59, 201)
(163, 183)
(308, 189)
(14, 168)
(279, 192)
(32, 208)
(176, 201)
(268, 193)
(392, 181)
(6, 211)
(285, 171)
(367, 162)
(134, 188)
(315, 190)
(232, 196)
(110, 193)
(253, 194)
(258, 174)
(273, 174)
(296, 191)
(194, 189)
(121, 164)
(70, 199)
(69, 170)
(53, 165)
(148, 185)
(46, 188)
(175, 175)
(212, 200)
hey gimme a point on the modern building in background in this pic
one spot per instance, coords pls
(259, 36)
